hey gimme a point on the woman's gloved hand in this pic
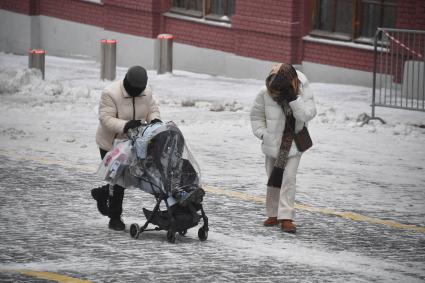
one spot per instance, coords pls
(155, 121)
(132, 124)
(288, 93)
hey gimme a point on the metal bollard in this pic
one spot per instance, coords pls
(108, 59)
(36, 59)
(165, 53)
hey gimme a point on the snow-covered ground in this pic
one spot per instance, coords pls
(376, 170)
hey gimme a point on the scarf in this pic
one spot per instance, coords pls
(275, 179)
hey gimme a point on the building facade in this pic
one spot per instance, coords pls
(331, 40)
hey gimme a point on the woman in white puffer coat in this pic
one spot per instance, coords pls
(279, 111)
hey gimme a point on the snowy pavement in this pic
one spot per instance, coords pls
(49, 221)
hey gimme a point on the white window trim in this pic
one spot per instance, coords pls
(100, 2)
(350, 44)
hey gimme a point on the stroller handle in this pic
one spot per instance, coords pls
(132, 133)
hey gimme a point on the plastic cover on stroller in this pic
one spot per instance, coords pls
(157, 160)
(165, 164)
(114, 165)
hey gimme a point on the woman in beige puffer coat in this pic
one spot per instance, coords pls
(117, 107)
(124, 104)
(268, 122)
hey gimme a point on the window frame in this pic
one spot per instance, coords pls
(204, 14)
(356, 21)
(187, 12)
(100, 2)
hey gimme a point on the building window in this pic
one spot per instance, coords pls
(223, 9)
(95, 1)
(352, 20)
(376, 14)
(218, 10)
(189, 7)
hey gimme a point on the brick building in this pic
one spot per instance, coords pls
(331, 40)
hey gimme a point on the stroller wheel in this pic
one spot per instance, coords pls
(134, 231)
(202, 234)
(171, 236)
(183, 232)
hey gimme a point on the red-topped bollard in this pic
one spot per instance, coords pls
(165, 53)
(36, 59)
(108, 59)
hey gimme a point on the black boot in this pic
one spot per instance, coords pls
(101, 195)
(116, 224)
(115, 209)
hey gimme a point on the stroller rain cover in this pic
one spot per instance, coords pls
(164, 163)
(157, 160)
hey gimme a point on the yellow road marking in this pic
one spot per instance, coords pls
(326, 211)
(247, 197)
(47, 275)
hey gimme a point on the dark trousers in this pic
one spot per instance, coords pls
(102, 153)
(116, 199)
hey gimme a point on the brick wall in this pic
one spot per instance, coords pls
(267, 30)
(136, 17)
(77, 11)
(264, 29)
(131, 4)
(29, 7)
(339, 56)
(130, 21)
(201, 35)
(411, 14)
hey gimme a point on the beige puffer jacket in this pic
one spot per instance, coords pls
(268, 119)
(117, 107)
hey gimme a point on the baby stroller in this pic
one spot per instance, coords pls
(163, 166)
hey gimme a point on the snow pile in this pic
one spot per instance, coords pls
(188, 103)
(14, 81)
(214, 105)
(232, 107)
(29, 85)
(343, 118)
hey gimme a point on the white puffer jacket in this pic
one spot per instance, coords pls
(117, 107)
(268, 119)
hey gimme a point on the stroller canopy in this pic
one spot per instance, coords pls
(164, 163)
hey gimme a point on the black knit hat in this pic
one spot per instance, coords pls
(135, 80)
